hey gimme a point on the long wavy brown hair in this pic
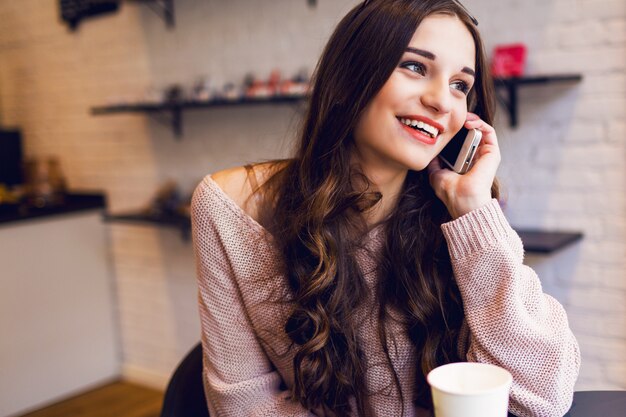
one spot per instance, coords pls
(314, 209)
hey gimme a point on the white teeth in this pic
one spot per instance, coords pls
(421, 125)
(433, 131)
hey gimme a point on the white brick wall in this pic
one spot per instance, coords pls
(564, 167)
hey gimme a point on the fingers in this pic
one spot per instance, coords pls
(472, 116)
(488, 152)
(437, 178)
(489, 144)
(434, 166)
(489, 133)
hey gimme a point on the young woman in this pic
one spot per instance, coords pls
(331, 283)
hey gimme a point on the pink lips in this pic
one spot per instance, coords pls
(419, 135)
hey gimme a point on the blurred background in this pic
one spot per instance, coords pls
(117, 110)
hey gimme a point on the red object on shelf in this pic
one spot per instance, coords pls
(508, 60)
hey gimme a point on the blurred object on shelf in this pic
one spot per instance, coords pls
(276, 86)
(297, 86)
(273, 83)
(202, 90)
(174, 94)
(5, 196)
(167, 201)
(248, 82)
(230, 92)
(45, 182)
(508, 60)
(9, 199)
(255, 88)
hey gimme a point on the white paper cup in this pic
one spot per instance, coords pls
(469, 389)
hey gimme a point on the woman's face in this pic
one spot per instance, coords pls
(429, 85)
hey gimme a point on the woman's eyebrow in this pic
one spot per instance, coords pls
(469, 71)
(421, 52)
(432, 57)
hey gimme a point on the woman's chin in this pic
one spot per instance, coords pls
(418, 166)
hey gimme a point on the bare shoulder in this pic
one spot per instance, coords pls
(239, 183)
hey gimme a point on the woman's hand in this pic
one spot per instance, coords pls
(464, 193)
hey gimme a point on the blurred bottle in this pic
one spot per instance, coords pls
(45, 182)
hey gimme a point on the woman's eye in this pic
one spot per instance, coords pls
(415, 67)
(461, 86)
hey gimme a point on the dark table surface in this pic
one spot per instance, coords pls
(73, 202)
(597, 404)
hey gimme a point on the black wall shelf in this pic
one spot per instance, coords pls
(510, 87)
(535, 241)
(173, 112)
(546, 242)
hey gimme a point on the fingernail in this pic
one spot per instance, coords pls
(472, 116)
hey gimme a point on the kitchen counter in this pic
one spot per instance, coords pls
(57, 303)
(74, 202)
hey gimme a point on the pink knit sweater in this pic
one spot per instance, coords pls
(511, 322)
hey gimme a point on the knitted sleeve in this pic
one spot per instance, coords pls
(512, 323)
(239, 379)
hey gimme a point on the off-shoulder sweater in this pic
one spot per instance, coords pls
(248, 367)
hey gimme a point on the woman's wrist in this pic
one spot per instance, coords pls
(461, 206)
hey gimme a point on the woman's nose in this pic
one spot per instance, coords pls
(437, 97)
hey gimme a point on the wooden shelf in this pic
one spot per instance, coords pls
(535, 241)
(511, 85)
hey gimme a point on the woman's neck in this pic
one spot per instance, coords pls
(388, 182)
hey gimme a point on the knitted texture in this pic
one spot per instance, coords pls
(248, 366)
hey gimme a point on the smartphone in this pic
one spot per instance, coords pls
(459, 153)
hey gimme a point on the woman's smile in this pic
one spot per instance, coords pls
(421, 128)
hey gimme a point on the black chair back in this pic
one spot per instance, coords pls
(184, 396)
